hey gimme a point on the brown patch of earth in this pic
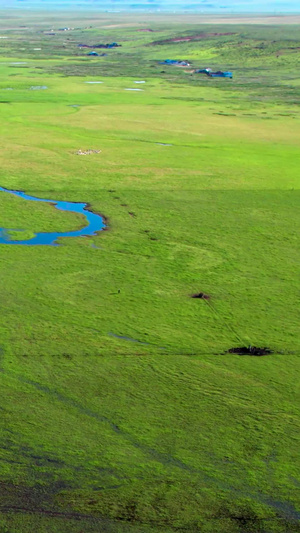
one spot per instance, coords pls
(285, 51)
(198, 37)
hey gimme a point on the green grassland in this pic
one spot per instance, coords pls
(121, 408)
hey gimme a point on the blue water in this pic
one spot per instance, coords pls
(124, 338)
(95, 222)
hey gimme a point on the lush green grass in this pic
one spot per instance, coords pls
(161, 430)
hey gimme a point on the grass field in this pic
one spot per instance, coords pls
(121, 408)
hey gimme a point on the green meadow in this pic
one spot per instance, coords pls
(121, 408)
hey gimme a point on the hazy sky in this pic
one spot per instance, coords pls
(220, 6)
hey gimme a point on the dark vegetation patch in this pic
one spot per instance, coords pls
(101, 45)
(250, 350)
(188, 38)
(226, 114)
(182, 98)
(201, 296)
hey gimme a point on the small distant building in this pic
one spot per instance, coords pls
(206, 71)
(211, 74)
(175, 62)
(221, 74)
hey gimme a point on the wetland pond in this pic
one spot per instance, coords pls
(95, 223)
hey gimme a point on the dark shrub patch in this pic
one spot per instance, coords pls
(201, 296)
(250, 350)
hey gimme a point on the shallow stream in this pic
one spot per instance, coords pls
(95, 223)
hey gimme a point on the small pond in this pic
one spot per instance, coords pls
(95, 222)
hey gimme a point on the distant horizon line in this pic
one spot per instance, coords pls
(201, 11)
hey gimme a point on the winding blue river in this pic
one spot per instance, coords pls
(95, 222)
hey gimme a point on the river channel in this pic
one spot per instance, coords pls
(94, 223)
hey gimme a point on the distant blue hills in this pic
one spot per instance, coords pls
(204, 6)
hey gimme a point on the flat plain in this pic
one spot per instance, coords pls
(122, 409)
